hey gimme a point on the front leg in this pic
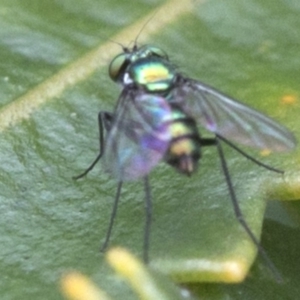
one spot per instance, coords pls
(105, 120)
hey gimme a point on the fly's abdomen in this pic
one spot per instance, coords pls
(184, 150)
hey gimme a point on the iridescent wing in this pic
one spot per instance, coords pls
(139, 136)
(231, 119)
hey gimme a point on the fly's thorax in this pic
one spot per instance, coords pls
(184, 149)
(154, 74)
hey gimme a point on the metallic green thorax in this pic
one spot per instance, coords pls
(153, 74)
(149, 68)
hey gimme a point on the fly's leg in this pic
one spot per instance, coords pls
(237, 210)
(112, 217)
(148, 210)
(104, 122)
(270, 168)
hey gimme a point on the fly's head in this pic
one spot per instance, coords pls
(119, 66)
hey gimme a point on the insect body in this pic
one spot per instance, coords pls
(156, 119)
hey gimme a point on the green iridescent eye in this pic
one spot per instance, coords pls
(148, 50)
(117, 65)
(158, 52)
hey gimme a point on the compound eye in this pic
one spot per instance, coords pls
(158, 52)
(117, 65)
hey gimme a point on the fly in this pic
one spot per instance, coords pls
(156, 118)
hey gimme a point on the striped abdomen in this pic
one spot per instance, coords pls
(184, 149)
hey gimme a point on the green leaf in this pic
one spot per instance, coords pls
(54, 58)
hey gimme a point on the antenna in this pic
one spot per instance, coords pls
(143, 27)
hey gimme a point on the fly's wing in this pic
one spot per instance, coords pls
(139, 136)
(230, 119)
